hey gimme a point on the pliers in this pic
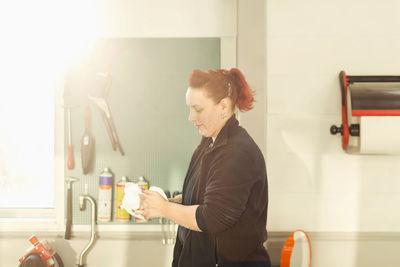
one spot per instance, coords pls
(99, 98)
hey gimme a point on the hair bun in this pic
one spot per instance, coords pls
(245, 97)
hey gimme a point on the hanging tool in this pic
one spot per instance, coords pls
(87, 145)
(70, 160)
(69, 181)
(66, 103)
(98, 95)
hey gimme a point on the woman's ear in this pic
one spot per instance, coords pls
(224, 104)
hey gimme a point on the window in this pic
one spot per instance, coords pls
(27, 145)
(38, 42)
(27, 116)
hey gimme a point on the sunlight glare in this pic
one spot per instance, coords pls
(41, 38)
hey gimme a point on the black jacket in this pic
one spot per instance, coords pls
(232, 190)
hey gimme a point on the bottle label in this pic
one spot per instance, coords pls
(121, 214)
(104, 210)
(144, 186)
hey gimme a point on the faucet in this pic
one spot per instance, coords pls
(82, 206)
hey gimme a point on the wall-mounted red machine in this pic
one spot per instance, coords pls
(40, 254)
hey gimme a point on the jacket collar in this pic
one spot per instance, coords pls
(223, 135)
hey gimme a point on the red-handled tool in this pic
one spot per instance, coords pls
(70, 160)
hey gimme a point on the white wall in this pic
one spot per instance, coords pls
(251, 60)
(173, 18)
(314, 185)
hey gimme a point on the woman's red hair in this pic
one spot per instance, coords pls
(222, 83)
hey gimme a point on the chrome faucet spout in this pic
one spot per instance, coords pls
(82, 207)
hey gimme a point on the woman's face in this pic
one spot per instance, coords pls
(204, 113)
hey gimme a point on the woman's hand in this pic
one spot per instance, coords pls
(177, 199)
(152, 205)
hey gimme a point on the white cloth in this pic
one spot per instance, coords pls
(131, 200)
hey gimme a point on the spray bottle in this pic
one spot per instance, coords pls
(121, 215)
(143, 184)
(105, 196)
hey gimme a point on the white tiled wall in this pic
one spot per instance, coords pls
(317, 185)
(314, 185)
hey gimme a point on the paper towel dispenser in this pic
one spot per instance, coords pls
(370, 113)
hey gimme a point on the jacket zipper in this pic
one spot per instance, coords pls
(216, 252)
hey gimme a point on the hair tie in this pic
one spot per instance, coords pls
(229, 89)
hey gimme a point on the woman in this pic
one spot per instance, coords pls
(223, 212)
